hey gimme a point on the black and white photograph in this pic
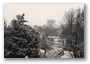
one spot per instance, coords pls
(43, 30)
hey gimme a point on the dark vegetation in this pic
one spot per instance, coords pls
(73, 32)
(21, 40)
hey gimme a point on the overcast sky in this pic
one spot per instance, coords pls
(38, 14)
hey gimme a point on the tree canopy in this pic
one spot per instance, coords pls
(73, 32)
(20, 40)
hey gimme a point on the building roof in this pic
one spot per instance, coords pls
(51, 23)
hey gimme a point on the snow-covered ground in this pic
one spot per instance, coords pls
(55, 52)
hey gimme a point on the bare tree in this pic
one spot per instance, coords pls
(73, 32)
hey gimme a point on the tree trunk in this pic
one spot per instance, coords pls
(71, 54)
(45, 53)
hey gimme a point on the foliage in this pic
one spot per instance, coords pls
(73, 32)
(47, 31)
(45, 44)
(20, 40)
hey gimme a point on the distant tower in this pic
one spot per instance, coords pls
(51, 23)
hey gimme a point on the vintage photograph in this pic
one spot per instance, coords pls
(43, 30)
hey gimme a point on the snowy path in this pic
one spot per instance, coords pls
(56, 50)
